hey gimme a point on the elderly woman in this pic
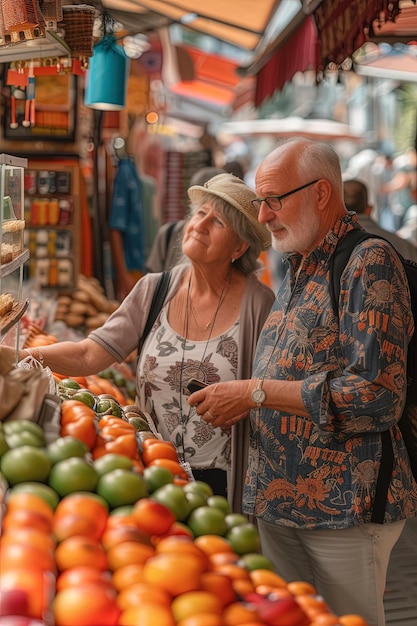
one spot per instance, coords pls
(207, 329)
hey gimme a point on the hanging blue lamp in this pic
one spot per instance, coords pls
(107, 76)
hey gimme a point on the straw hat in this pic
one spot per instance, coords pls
(235, 192)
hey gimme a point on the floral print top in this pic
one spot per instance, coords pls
(167, 363)
(320, 471)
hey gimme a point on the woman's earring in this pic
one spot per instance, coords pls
(233, 260)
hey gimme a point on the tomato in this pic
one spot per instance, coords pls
(219, 502)
(244, 538)
(65, 447)
(119, 487)
(254, 560)
(159, 450)
(200, 487)
(112, 461)
(73, 474)
(207, 520)
(26, 463)
(174, 498)
(123, 444)
(83, 429)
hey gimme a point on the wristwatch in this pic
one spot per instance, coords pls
(258, 394)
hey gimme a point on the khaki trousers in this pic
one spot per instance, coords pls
(348, 567)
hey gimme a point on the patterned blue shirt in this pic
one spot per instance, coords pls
(320, 471)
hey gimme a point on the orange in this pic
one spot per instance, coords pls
(127, 575)
(219, 584)
(212, 544)
(325, 619)
(113, 536)
(181, 544)
(266, 577)
(78, 550)
(242, 587)
(82, 575)
(28, 536)
(136, 594)
(220, 558)
(233, 571)
(68, 525)
(301, 588)
(38, 585)
(24, 518)
(279, 592)
(22, 500)
(152, 517)
(237, 614)
(351, 619)
(89, 605)
(89, 504)
(128, 553)
(147, 614)
(202, 619)
(175, 573)
(15, 555)
(194, 602)
(312, 605)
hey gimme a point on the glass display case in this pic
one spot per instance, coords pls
(13, 251)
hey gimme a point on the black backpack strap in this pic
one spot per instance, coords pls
(158, 300)
(339, 260)
(337, 264)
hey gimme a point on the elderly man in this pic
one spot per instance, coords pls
(324, 388)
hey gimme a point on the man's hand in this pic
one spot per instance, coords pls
(224, 404)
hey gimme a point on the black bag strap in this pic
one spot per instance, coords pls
(158, 300)
(338, 263)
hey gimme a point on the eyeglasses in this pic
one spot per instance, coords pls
(274, 202)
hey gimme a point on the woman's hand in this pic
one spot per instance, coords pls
(224, 404)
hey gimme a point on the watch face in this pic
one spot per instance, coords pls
(258, 396)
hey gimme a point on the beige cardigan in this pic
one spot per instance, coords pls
(121, 333)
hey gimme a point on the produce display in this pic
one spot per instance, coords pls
(104, 527)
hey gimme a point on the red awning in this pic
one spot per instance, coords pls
(214, 81)
(298, 53)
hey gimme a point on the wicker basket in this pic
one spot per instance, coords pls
(78, 22)
(20, 20)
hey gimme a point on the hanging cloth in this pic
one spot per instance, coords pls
(127, 213)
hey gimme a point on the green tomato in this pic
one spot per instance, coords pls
(121, 487)
(65, 448)
(174, 498)
(112, 461)
(244, 538)
(207, 520)
(73, 474)
(24, 464)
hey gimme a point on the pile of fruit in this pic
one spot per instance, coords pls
(104, 527)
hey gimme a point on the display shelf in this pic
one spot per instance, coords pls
(13, 252)
(10, 319)
(12, 266)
